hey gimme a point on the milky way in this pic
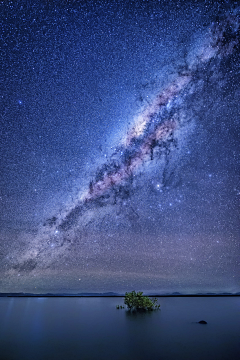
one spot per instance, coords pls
(153, 130)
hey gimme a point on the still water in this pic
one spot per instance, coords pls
(92, 328)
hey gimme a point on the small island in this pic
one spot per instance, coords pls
(136, 301)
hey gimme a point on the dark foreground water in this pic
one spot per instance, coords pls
(92, 328)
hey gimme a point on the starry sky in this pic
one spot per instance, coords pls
(119, 147)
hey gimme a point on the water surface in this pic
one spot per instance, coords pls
(92, 328)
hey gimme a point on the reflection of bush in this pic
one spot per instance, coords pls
(120, 307)
(136, 301)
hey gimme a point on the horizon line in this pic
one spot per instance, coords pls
(113, 294)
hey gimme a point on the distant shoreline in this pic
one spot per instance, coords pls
(110, 296)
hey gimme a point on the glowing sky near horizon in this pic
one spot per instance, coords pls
(120, 147)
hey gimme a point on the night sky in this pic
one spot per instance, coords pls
(119, 147)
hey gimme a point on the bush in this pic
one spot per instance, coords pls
(137, 301)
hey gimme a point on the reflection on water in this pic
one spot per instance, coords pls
(92, 328)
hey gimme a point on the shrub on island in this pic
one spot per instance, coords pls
(137, 301)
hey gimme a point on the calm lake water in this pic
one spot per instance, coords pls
(92, 328)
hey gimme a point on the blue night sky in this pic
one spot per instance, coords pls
(119, 146)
